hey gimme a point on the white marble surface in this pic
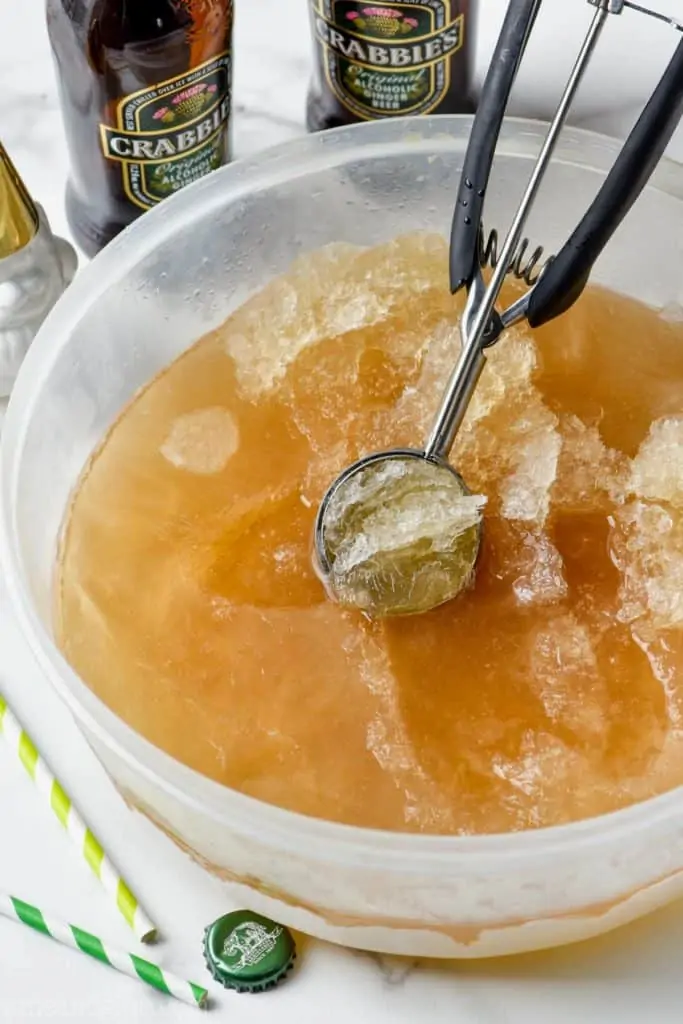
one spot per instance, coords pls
(626, 978)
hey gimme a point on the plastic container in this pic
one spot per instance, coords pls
(173, 275)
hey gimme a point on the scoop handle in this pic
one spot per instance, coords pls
(464, 251)
(566, 276)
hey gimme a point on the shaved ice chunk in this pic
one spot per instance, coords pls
(333, 291)
(540, 578)
(590, 476)
(646, 542)
(549, 775)
(566, 679)
(525, 493)
(646, 545)
(657, 471)
(202, 441)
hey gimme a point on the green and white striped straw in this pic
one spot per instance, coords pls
(126, 963)
(89, 847)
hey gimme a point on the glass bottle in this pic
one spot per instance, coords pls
(390, 59)
(145, 95)
(35, 268)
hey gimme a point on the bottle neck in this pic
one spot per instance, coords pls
(18, 213)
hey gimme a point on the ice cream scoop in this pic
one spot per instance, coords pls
(398, 532)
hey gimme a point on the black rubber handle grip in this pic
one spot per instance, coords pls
(567, 274)
(464, 251)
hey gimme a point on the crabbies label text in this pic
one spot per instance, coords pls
(387, 59)
(171, 134)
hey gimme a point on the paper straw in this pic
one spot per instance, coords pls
(126, 963)
(88, 846)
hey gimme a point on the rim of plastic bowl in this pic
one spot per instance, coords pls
(275, 826)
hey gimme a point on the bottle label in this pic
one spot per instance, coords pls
(387, 60)
(172, 133)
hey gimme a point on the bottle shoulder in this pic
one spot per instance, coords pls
(116, 24)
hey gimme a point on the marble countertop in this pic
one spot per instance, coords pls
(626, 978)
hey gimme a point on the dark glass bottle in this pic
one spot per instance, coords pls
(145, 94)
(375, 60)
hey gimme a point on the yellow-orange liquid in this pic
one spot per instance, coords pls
(553, 690)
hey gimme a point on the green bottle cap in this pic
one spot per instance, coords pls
(247, 952)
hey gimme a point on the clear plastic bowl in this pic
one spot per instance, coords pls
(176, 273)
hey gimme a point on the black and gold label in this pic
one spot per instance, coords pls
(171, 134)
(387, 60)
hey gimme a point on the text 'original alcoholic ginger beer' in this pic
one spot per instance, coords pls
(145, 94)
(389, 60)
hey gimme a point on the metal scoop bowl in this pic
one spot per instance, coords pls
(397, 533)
